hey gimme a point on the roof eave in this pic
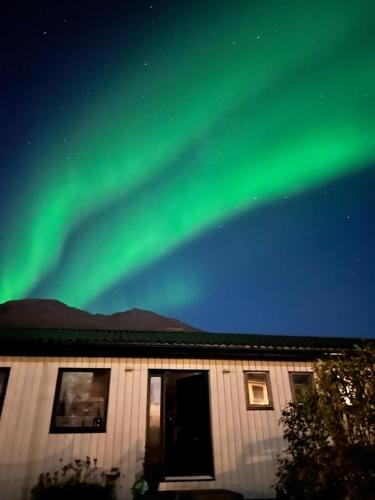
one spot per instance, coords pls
(165, 350)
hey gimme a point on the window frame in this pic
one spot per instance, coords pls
(292, 383)
(6, 371)
(58, 429)
(252, 406)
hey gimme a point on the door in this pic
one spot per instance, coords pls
(182, 446)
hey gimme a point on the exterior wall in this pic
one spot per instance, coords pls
(245, 442)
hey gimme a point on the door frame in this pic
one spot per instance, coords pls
(160, 469)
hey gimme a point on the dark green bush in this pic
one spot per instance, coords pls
(331, 434)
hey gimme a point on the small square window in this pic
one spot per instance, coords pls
(4, 375)
(258, 390)
(299, 383)
(81, 401)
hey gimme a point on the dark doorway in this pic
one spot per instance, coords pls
(181, 447)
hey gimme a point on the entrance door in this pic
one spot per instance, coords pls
(182, 447)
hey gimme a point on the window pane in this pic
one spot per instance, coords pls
(154, 411)
(82, 400)
(301, 379)
(300, 383)
(258, 389)
(259, 395)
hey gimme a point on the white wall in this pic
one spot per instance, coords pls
(246, 442)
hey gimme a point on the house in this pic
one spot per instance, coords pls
(205, 406)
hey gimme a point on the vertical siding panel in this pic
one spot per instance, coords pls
(283, 394)
(123, 486)
(11, 415)
(287, 368)
(85, 444)
(173, 364)
(215, 426)
(229, 423)
(102, 437)
(93, 444)
(7, 427)
(126, 424)
(277, 381)
(202, 365)
(39, 452)
(65, 450)
(133, 427)
(281, 388)
(261, 417)
(254, 447)
(297, 366)
(118, 392)
(157, 363)
(77, 437)
(57, 445)
(25, 455)
(293, 367)
(195, 365)
(8, 405)
(258, 438)
(273, 416)
(206, 366)
(170, 364)
(5, 362)
(223, 433)
(185, 364)
(142, 414)
(86, 437)
(111, 413)
(15, 432)
(89, 443)
(14, 475)
(270, 436)
(246, 466)
(149, 364)
(237, 426)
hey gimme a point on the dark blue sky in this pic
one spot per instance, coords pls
(92, 89)
(304, 265)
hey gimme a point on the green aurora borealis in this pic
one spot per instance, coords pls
(228, 109)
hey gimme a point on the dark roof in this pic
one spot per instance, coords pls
(167, 344)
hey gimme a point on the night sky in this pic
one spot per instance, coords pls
(213, 161)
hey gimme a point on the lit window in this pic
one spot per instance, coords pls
(4, 375)
(81, 400)
(299, 383)
(258, 391)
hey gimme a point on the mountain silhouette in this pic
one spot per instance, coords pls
(47, 313)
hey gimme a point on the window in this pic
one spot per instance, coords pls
(4, 375)
(258, 390)
(81, 400)
(299, 382)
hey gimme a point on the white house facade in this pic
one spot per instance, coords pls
(197, 410)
